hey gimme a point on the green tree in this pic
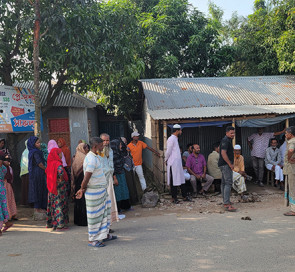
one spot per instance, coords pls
(254, 44)
(180, 41)
(14, 17)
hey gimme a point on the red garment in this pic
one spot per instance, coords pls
(53, 162)
(66, 151)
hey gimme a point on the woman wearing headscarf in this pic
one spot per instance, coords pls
(57, 179)
(67, 153)
(65, 150)
(3, 148)
(53, 144)
(129, 174)
(37, 180)
(77, 176)
(4, 216)
(8, 180)
(121, 189)
(24, 175)
(44, 150)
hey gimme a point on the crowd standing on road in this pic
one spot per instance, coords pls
(99, 178)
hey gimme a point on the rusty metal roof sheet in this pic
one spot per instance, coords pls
(182, 98)
(64, 99)
(180, 93)
(211, 112)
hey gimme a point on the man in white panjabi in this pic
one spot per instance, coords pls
(173, 160)
(106, 158)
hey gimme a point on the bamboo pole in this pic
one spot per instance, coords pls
(234, 125)
(37, 126)
(164, 151)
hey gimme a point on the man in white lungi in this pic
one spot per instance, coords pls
(173, 160)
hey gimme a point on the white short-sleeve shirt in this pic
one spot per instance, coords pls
(93, 165)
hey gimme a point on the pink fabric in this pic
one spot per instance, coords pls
(11, 205)
(52, 144)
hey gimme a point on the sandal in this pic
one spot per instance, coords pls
(289, 214)
(110, 238)
(230, 208)
(62, 229)
(175, 201)
(7, 227)
(97, 244)
(188, 199)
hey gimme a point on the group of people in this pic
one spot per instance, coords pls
(99, 178)
(107, 182)
(225, 168)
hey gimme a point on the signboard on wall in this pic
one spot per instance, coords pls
(17, 109)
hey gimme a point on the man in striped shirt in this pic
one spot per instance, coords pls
(258, 143)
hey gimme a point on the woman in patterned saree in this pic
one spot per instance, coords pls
(57, 180)
(3, 202)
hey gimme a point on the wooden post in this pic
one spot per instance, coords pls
(234, 125)
(157, 135)
(37, 125)
(287, 123)
(164, 151)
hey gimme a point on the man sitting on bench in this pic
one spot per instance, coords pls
(196, 166)
(273, 162)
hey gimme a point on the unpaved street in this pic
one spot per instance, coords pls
(186, 237)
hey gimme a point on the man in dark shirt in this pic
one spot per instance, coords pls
(226, 166)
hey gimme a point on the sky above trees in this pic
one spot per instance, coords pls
(243, 7)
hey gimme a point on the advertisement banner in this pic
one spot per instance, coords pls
(17, 109)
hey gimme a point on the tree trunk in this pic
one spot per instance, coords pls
(37, 129)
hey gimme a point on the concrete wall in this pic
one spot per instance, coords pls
(147, 137)
(78, 126)
(93, 118)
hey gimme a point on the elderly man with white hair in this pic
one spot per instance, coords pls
(106, 157)
(239, 174)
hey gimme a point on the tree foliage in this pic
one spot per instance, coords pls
(264, 42)
(180, 41)
(104, 47)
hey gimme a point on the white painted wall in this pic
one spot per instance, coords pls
(78, 126)
(147, 137)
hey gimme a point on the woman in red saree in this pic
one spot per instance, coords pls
(57, 183)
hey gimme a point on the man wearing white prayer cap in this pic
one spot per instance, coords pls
(173, 160)
(239, 174)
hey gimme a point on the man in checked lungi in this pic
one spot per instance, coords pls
(98, 203)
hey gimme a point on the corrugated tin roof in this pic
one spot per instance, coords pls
(218, 91)
(64, 99)
(181, 98)
(211, 112)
